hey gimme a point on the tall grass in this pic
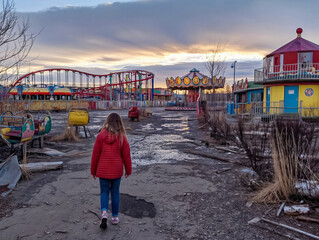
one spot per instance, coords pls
(69, 134)
(293, 145)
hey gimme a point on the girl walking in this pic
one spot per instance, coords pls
(111, 151)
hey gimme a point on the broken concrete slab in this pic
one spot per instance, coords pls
(10, 174)
(295, 210)
(309, 188)
(42, 166)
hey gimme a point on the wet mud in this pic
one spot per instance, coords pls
(171, 194)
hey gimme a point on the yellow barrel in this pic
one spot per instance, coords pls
(78, 117)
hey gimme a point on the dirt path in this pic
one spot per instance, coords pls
(182, 196)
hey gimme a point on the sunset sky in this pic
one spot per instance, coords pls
(166, 37)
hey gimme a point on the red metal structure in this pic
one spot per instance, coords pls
(113, 86)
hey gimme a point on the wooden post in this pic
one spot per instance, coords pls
(24, 152)
(41, 142)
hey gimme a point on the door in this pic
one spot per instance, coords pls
(291, 99)
(267, 99)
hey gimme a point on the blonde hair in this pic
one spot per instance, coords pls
(114, 125)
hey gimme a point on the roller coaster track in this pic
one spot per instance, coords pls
(86, 84)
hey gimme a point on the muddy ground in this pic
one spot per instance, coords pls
(171, 194)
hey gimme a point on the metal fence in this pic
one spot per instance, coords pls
(272, 110)
(29, 105)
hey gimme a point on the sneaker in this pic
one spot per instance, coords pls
(103, 224)
(115, 220)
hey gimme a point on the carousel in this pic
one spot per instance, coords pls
(190, 90)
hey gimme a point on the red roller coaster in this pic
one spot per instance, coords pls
(112, 86)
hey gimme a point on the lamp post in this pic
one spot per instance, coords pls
(233, 65)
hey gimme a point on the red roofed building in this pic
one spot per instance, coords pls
(290, 76)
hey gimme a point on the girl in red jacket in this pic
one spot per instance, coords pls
(111, 150)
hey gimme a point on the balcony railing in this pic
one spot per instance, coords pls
(271, 110)
(300, 71)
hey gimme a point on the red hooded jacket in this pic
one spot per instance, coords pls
(109, 155)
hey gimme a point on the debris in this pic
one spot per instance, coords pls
(69, 134)
(280, 209)
(42, 166)
(296, 210)
(249, 178)
(254, 220)
(257, 219)
(308, 219)
(249, 204)
(211, 156)
(309, 188)
(278, 233)
(10, 174)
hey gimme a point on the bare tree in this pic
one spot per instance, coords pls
(215, 61)
(15, 42)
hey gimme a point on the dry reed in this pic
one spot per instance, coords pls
(25, 172)
(286, 167)
(69, 134)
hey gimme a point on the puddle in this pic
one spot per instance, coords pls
(177, 126)
(136, 208)
(153, 149)
(94, 127)
(148, 126)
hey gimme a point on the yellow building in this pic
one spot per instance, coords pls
(290, 76)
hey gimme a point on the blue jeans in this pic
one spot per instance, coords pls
(113, 185)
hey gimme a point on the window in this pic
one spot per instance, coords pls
(305, 60)
(271, 64)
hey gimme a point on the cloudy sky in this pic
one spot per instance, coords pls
(166, 37)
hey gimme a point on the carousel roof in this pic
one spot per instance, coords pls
(299, 44)
(193, 73)
(195, 79)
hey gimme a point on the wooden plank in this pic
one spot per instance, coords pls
(291, 228)
(307, 219)
(280, 209)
